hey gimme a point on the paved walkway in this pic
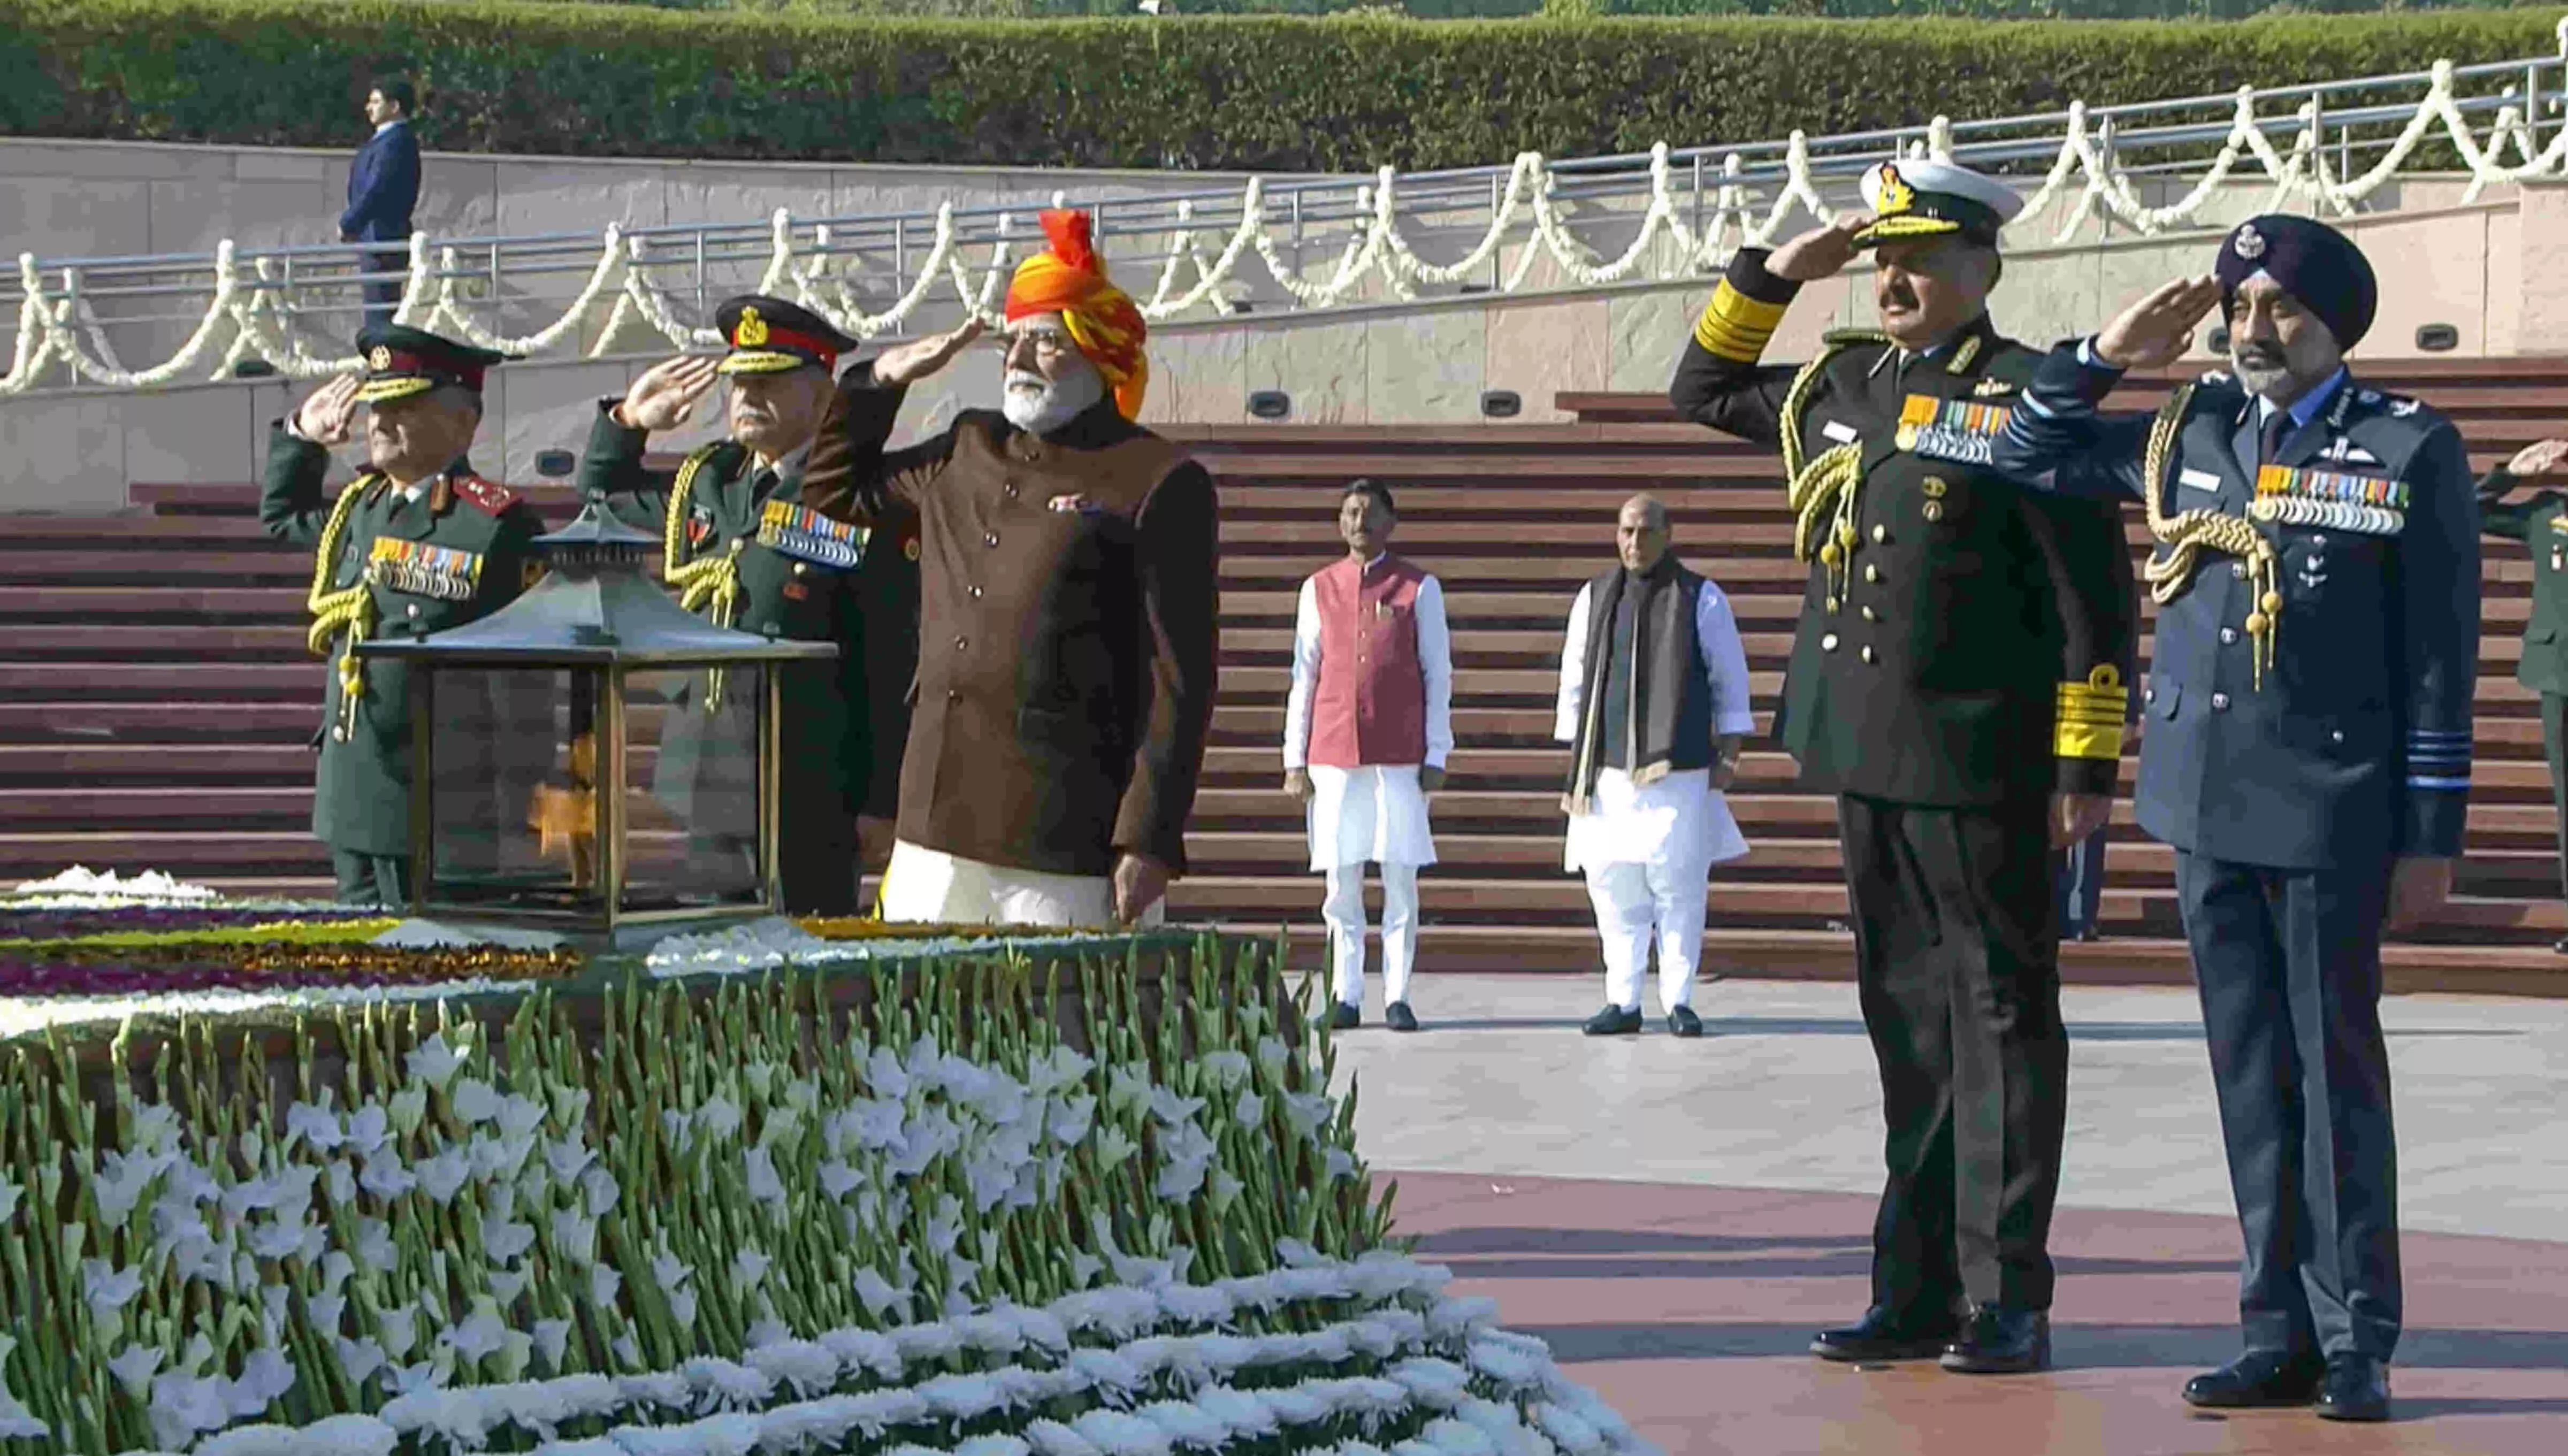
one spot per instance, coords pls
(1676, 1219)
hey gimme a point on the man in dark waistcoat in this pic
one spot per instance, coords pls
(1069, 613)
(745, 549)
(1958, 681)
(2308, 751)
(2540, 523)
(414, 544)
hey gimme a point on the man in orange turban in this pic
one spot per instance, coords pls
(1064, 293)
(1067, 618)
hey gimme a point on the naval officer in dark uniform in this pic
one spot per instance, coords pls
(747, 550)
(2307, 749)
(2540, 523)
(416, 543)
(1958, 681)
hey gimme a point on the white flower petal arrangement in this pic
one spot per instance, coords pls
(1090, 1202)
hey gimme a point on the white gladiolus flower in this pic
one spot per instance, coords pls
(1307, 1113)
(839, 1179)
(669, 1271)
(322, 1312)
(881, 1123)
(718, 1117)
(553, 1342)
(281, 1239)
(121, 1182)
(475, 1100)
(1249, 1112)
(600, 1190)
(267, 1376)
(435, 1062)
(568, 1158)
(574, 1236)
(384, 1177)
(682, 1308)
(1128, 1086)
(507, 1284)
(342, 1183)
(1071, 1119)
(603, 1286)
(1272, 1054)
(375, 1243)
(133, 1369)
(398, 1328)
(1340, 1163)
(443, 1176)
(1112, 1147)
(521, 1118)
(477, 1336)
(368, 1127)
(748, 1267)
(106, 1287)
(316, 1126)
(1172, 1109)
(762, 1184)
(1227, 1067)
(407, 1109)
(676, 1126)
(504, 1240)
(359, 1359)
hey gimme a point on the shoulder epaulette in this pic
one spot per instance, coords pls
(488, 496)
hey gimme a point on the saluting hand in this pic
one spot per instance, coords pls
(2156, 331)
(665, 395)
(1820, 253)
(919, 357)
(328, 415)
(2538, 459)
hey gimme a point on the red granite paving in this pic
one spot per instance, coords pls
(1690, 1310)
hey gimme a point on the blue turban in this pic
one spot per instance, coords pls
(2317, 265)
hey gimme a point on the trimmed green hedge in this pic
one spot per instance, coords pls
(1260, 93)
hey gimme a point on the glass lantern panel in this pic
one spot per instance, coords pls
(513, 796)
(692, 784)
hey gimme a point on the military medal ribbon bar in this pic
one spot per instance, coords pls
(423, 570)
(806, 535)
(1961, 430)
(2371, 506)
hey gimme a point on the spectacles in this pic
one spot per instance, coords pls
(1048, 343)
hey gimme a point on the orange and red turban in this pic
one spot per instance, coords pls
(1101, 319)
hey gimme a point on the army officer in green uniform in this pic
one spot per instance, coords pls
(744, 551)
(1958, 682)
(2540, 521)
(416, 543)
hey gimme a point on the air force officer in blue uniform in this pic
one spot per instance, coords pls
(2307, 753)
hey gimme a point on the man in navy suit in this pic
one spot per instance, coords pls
(2307, 751)
(383, 187)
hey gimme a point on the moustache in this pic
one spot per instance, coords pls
(1026, 379)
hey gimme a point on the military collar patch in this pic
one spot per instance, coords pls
(2403, 408)
(487, 496)
(1992, 388)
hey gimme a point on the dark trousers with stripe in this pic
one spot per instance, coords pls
(1956, 963)
(2289, 963)
(2554, 742)
(2081, 884)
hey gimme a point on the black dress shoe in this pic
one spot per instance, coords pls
(1614, 1022)
(2258, 1377)
(2355, 1388)
(1886, 1335)
(1398, 1017)
(1340, 1017)
(1998, 1342)
(1684, 1022)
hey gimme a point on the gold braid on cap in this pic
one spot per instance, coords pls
(349, 610)
(2186, 534)
(1825, 490)
(711, 584)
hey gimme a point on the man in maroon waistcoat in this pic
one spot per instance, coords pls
(1367, 729)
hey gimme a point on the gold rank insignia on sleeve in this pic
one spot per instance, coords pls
(1734, 325)
(2089, 723)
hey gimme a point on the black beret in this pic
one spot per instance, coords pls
(2317, 265)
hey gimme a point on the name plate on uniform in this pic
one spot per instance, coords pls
(423, 570)
(807, 535)
(1961, 430)
(2371, 505)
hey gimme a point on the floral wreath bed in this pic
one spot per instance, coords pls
(278, 1181)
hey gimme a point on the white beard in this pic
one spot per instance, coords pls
(1039, 405)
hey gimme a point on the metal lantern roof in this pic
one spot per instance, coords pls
(595, 606)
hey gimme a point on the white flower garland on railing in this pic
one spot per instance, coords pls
(242, 323)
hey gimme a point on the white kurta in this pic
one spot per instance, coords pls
(1377, 812)
(930, 887)
(1680, 822)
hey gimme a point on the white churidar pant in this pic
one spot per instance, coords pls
(931, 887)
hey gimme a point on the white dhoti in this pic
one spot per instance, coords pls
(931, 887)
(1645, 850)
(1378, 814)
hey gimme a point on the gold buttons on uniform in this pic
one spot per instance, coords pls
(1832, 604)
(990, 539)
(1868, 616)
(1872, 572)
(1829, 643)
(1867, 652)
(800, 567)
(1880, 533)
(1934, 510)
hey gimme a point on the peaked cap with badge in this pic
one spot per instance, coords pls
(772, 336)
(2317, 265)
(402, 361)
(1916, 198)
(447, 550)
